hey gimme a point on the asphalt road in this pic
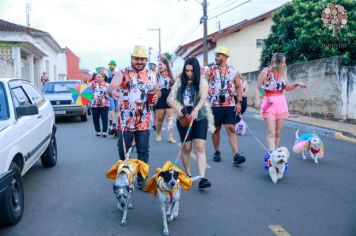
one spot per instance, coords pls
(75, 198)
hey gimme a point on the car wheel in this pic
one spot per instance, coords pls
(84, 117)
(11, 208)
(49, 157)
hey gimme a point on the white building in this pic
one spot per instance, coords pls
(26, 53)
(244, 39)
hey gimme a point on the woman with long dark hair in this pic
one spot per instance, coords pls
(165, 82)
(189, 99)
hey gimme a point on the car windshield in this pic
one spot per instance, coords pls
(4, 109)
(59, 87)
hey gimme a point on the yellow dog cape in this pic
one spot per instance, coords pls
(134, 167)
(185, 182)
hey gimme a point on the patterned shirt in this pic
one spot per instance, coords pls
(272, 83)
(136, 114)
(101, 97)
(222, 87)
(164, 82)
(189, 95)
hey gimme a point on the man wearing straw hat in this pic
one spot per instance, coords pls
(225, 95)
(138, 93)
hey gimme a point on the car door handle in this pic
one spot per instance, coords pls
(39, 116)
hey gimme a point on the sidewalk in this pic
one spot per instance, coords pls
(339, 130)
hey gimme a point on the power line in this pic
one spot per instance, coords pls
(229, 9)
(220, 6)
(229, 3)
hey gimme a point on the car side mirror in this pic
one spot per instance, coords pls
(26, 110)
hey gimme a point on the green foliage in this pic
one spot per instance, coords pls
(300, 34)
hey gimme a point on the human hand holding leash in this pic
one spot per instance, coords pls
(194, 114)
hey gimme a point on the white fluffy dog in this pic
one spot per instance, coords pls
(277, 163)
(309, 145)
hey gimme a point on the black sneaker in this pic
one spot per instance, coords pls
(154, 127)
(217, 156)
(141, 185)
(239, 159)
(204, 183)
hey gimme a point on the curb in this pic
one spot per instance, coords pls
(309, 128)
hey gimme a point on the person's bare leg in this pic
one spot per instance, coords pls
(271, 134)
(216, 138)
(230, 130)
(160, 118)
(199, 148)
(170, 124)
(187, 148)
(279, 127)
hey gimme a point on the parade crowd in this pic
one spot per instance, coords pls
(128, 103)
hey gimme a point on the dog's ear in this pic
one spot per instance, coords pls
(161, 174)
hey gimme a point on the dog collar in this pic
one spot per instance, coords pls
(167, 191)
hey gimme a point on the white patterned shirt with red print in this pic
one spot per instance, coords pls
(272, 82)
(164, 82)
(100, 94)
(222, 87)
(135, 112)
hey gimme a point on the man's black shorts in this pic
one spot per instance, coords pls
(224, 116)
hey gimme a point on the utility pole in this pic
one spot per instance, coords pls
(204, 21)
(159, 39)
(28, 9)
(205, 37)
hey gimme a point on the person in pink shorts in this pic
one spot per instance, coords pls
(274, 107)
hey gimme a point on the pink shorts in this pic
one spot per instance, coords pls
(275, 111)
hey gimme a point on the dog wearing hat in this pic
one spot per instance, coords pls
(124, 174)
(168, 183)
(310, 145)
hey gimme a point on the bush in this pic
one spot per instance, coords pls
(300, 34)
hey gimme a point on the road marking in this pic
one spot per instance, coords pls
(194, 157)
(279, 230)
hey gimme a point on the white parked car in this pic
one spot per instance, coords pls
(59, 93)
(27, 133)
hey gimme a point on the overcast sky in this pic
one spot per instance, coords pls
(101, 30)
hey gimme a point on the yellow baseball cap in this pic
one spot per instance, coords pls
(139, 51)
(223, 50)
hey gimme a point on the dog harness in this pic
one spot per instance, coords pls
(314, 151)
(128, 170)
(167, 191)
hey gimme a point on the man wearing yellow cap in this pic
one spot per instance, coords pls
(225, 95)
(135, 83)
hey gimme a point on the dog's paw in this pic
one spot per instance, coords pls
(165, 232)
(130, 206)
(274, 182)
(123, 223)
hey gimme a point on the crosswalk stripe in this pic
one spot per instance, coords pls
(279, 230)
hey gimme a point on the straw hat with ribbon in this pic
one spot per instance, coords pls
(139, 51)
(223, 50)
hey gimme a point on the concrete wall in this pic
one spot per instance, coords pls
(331, 89)
(245, 55)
